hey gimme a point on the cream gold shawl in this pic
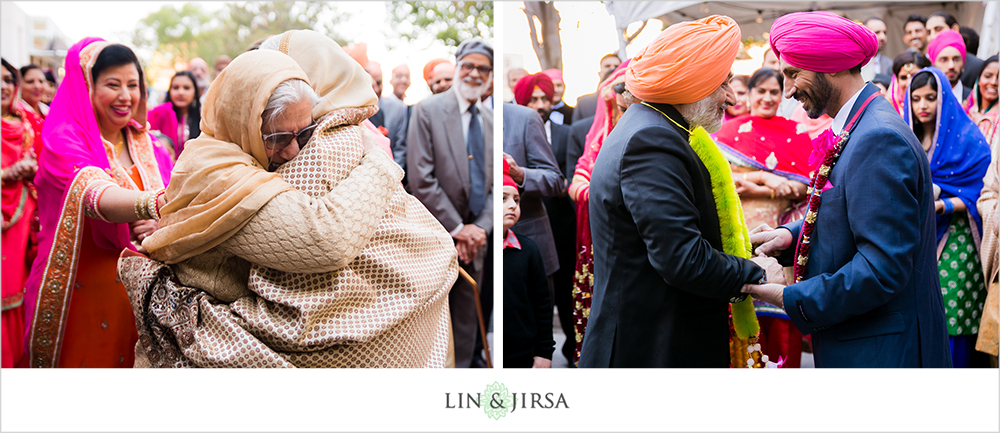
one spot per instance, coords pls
(220, 180)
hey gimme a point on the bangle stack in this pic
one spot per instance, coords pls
(949, 207)
(93, 204)
(146, 205)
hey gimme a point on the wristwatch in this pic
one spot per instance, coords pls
(763, 276)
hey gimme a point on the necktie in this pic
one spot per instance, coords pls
(477, 163)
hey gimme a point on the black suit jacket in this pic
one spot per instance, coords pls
(586, 106)
(971, 70)
(567, 113)
(574, 148)
(661, 280)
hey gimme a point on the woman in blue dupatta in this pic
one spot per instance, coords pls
(958, 155)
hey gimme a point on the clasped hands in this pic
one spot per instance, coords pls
(767, 243)
(468, 241)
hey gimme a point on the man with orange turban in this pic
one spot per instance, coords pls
(865, 256)
(663, 275)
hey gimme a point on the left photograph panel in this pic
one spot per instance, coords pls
(247, 184)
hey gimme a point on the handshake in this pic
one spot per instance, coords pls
(767, 243)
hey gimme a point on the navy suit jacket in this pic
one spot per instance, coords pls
(871, 295)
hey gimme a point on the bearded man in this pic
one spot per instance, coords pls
(866, 285)
(449, 159)
(663, 276)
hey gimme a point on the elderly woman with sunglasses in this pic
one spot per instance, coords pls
(295, 283)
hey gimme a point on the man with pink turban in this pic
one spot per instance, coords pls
(947, 52)
(865, 282)
(663, 277)
(562, 113)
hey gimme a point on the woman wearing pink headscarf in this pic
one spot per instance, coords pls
(605, 117)
(99, 170)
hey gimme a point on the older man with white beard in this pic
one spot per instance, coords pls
(671, 249)
(449, 162)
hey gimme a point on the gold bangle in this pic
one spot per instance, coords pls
(142, 206)
(772, 193)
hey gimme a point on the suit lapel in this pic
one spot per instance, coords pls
(865, 93)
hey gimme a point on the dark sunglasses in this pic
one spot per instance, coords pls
(468, 67)
(279, 140)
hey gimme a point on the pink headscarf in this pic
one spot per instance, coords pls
(822, 42)
(554, 74)
(947, 38)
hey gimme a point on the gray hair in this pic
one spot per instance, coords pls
(272, 43)
(287, 93)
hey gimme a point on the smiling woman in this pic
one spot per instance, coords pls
(769, 156)
(179, 117)
(99, 170)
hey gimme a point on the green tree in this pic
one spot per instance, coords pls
(193, 32)
(450, 22)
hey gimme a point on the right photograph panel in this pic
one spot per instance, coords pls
(736, 185)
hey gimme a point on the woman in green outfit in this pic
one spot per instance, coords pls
(958, 156)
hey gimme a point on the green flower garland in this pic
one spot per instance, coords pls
(732, 223)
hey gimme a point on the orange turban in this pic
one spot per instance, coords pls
(358, 52)
(430, 67)
(686, 62)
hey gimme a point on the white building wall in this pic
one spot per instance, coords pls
(15, 34)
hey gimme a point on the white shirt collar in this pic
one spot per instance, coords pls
(841, 119)
(957, 90)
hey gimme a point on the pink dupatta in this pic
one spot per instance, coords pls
(579, 190)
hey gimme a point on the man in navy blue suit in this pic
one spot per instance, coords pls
(866, 285)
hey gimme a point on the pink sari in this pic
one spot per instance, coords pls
(75, 160)
(579, 190)
(19, 231)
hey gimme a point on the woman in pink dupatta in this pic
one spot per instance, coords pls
(20, 226)
(903, 67)
(982, 105)
(605, 117)
(100, 170)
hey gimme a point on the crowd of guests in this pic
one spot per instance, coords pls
(277, 212)
(775, 139)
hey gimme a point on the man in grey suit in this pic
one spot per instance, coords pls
(450, 169)
(535, 171)
(881, 63)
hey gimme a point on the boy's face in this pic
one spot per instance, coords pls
(511, 207)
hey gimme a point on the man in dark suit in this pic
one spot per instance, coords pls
(562, 113)
(866, 286)
(662, 281)
(586, 105)
(536, 92)
(450, 162)
(881, 63)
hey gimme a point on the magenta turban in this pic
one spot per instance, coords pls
(947, 38)
(554, 74)
(822, 42)
(527, 84)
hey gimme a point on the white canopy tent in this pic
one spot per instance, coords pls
(755, 18)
